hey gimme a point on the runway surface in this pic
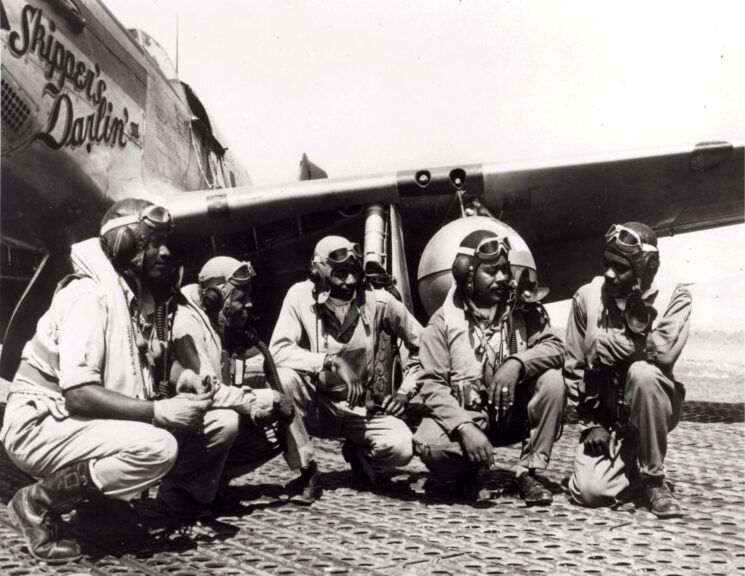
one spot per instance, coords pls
(414, 525)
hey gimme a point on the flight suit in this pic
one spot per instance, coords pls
(86, 337)
(304, 334)
(250, 445)
(454, 382)
(643, 367)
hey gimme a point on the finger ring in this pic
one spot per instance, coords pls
(504, 390)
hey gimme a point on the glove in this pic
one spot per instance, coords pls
(185, 411)
(395, 405)
(283, 408)
(191, 382)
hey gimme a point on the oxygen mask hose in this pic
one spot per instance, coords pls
(272, 377)
(161, 333)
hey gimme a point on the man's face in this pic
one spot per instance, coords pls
(156, 263)
(620, 278)
(238, 305)
(343, 281)
(491, 283)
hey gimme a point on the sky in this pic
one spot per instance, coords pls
(374, 87)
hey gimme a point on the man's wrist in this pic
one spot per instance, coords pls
(518, 365)
(328, 361)
(402, 397)
(459, 428)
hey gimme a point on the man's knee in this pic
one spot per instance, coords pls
(394, 447)
(550, 385)
(223, 424)
(291, 380)
(159, 451)
(643, 375)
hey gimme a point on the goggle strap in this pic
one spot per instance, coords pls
(143, 216)
(119, 222)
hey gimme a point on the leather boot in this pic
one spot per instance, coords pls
(532, 491)
(305, 488)
(36, 510)
(662, 503)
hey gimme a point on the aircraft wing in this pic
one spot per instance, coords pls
(562, 208)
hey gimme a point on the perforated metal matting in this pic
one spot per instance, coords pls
(414, 525)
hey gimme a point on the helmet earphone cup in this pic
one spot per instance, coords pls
(120, 245)
(317, 276)
(652, 264)
(463, 273)
(211, 299)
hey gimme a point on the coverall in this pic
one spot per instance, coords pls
(597, 332)
(198, 347)
(89, 335)
(304, 334)
(455, 357)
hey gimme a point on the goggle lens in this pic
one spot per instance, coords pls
(342, 255)
(242, 275)
(627, 239)
(493, 248)
(157, 217)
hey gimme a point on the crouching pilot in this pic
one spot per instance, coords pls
(324, 345)
(207, 329)
(84, 415)
(489, 374)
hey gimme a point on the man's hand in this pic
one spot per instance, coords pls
(354, 387)
(597, 442)
(395, 405)
(504, 383)
(283, 408)
(476, 446)
(184, 411)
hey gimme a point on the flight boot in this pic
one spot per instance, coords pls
(305, 488)
(180, 505)
(36, 510)
(661, 501)
(532, 491)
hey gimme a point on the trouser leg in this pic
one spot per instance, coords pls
(544, 413)
(386, 441)
(202, 455)
(654, 405)
(125, 457)
(253, 447)
(440, 454)
(299, 451)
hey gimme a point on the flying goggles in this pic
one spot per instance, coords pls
(489, 249)
(344, 254)
(627, 240)
(241, 276)
(155, 217)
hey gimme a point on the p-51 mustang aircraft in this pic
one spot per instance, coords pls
(93, 112)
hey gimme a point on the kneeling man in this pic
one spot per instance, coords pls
(619, 374)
